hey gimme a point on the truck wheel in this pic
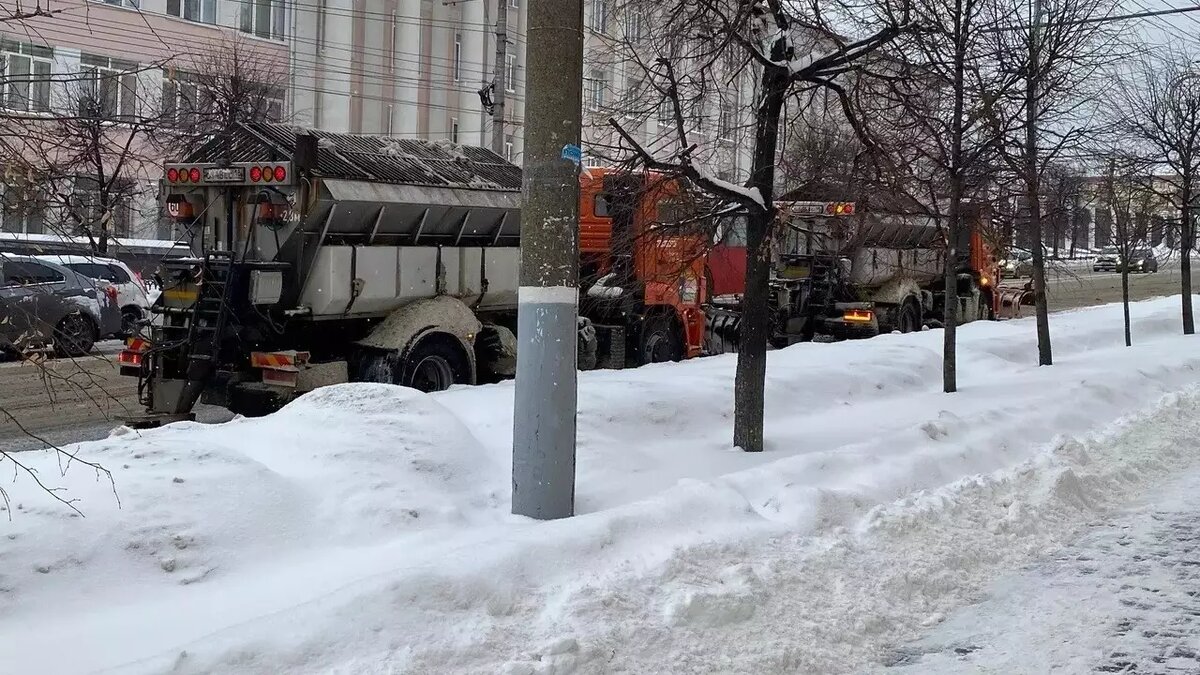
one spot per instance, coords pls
(910, 317)
(433, 365)
(660, 343)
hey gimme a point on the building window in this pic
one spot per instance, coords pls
(25, 74)
(597, 84)
(108, 87)
(122, 3)
(634, 24)
(510, 72)
(635, 90)
(454, 129)
(391, 66)
(457, 57)
(263, 18)
(180, 99)
(666, 113)
(599, 22)
(514, 3)
(726, 121)
(508, 148)
(203, 11)
(23, 208)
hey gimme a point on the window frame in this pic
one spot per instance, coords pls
(456, 65)
(37, 59)
(510, 72)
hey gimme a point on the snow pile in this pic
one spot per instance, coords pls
(364, 528)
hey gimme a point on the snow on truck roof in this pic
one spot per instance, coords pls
(370, 158)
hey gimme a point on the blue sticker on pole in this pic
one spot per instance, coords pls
(572, 153)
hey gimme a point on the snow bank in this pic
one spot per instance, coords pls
(364, 528)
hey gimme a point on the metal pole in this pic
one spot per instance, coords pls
(500, 81)
(544, 410)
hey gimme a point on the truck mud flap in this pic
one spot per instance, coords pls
(610, 347)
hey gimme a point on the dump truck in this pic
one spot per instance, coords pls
(845, 273)
(321, 258)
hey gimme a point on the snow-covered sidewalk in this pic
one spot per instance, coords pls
(366, 528)
(1124, 598)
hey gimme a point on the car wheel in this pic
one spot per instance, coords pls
(131, 317)
(74, 335)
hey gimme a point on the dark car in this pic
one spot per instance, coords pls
(45, 306)
(1143, 261)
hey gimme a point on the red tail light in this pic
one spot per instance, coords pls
(129, 358)
(280, 173)
(111, 292)
(256, 174)
(194, 175)
(172, 175)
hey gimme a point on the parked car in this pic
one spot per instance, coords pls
(1107, 260)
(1143, 261)
(132, 295)
(45, 306)
(1019, 263)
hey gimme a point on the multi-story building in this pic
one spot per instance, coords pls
(131, 57)
(426, 69)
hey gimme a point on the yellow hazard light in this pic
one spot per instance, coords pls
(984, 281)
(858, 315)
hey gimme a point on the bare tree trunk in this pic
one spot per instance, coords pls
(1125, 303)
(750, 381)
(1045, 356)
(1187, 237)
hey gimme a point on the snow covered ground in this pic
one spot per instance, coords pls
(1121, 599)
(365, 528)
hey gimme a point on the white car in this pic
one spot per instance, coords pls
(132, 296)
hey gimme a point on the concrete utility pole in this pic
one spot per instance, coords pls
(500, 81)
(544, 414)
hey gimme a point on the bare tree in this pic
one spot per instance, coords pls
(1058, 53)
(795, 55)
(1126, 191)
(1062, 190)
(939, 129)
(88, 157)
(1160, 106)
(206, 95)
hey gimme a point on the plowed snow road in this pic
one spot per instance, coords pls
(65, 401)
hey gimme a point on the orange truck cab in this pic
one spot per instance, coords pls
(642, 277)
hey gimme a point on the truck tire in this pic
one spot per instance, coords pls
(434, 364)
(909, 319)
(660, 341)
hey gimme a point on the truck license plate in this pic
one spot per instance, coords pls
(225, 174)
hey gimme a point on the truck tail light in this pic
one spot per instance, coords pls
(280, 173)
(858, 315)
(256, 174)
(172, 175)
(194, 175)
(128, 357)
